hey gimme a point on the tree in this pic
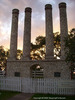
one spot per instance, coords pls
(57, 45)
(19, 54)
(70, 50)
(38, 49)
(3, 58)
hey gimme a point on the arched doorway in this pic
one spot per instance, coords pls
(36, 71)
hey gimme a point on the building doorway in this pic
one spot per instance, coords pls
(36, 71)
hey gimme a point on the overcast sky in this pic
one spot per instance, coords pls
(38, 18)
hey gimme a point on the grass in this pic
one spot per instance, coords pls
(51, 97)
(5, 95)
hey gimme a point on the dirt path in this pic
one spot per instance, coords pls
(22, 96)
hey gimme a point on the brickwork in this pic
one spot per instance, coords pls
(14, 34)
(49, 32)
(49, 68)
(49, 65)
(27, 34)
(63, 27)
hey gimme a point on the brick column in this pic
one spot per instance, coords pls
(63, 27)
(27, 34)
(49, 32)
(14, 34)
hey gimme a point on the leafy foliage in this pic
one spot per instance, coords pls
(57, 44)
(38, 49)
(3, 57)
(70, 48)
(19, 54)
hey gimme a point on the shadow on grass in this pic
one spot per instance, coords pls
(5, 95)
(51, 97)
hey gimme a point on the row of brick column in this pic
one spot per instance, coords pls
(27, 32)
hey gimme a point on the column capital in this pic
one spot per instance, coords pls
(28, 9)
(48, 6)
(15, 11)
(62, 5)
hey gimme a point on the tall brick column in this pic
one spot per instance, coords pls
(63, 27)
(14, 34)
(49, 32)
(27, 34)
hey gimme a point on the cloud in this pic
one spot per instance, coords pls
(38, 17)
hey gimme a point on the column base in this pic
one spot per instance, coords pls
(25, 58)
(12, 58)
(49, 57)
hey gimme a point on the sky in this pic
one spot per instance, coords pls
(37, 21)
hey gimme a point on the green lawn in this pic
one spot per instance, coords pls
(51, 97)
(4, 95)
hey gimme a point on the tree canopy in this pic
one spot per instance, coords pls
(70, 49)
